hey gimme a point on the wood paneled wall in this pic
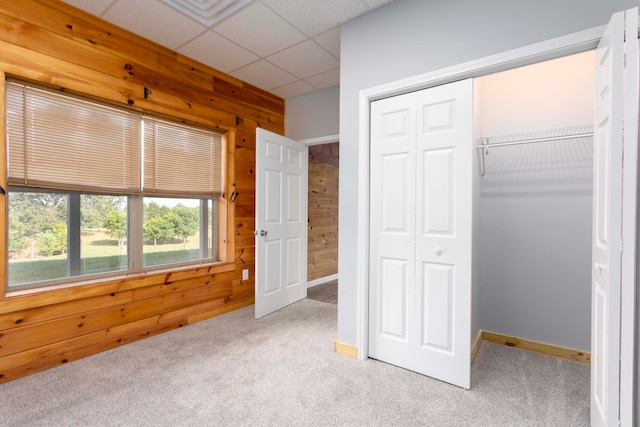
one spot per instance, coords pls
(322, 257)
(52, 43)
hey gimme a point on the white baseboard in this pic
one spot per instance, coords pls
(321, 280)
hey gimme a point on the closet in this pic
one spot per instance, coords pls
(536, 200)
(516, 189)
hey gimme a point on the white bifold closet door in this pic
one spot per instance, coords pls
(614, 222)
(421, 231)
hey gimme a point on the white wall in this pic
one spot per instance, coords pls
(410, 37)
(550, 94)
(535, 231)
(313, 114)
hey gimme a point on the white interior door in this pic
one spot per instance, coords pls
(616, 98)
(281, 221)
(421, 231)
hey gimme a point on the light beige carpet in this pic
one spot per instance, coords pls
(281, 370)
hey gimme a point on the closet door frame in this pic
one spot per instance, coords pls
(550, 49)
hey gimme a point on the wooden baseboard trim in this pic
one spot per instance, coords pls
(345, 349)
(476, 345)
(538, 347)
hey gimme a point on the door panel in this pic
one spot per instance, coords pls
(437, 307)
(274, 202)
(392, 265)
(607, 148)
(293, 253)
(607, 215)
(629, 278)
(294, 192)
(272, 279)
(394, 298)
(281, 215)
(420, 231)
(395, 199)
(444, 244)
(438, 191)
(614, 222)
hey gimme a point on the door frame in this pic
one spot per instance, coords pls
(538, 52)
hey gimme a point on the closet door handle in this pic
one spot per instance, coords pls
(599, 266)
(438, 251)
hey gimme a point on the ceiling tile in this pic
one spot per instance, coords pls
(326, 79)
(330, 40)
(258, 29)
(304, 59)
(313, 17)
(217, 52)
(94, 7)
(264, 75)
(155, 21)
(372, 4)
(293, 89)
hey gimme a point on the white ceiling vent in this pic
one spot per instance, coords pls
(208, 12)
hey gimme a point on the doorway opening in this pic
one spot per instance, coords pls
(324, 171)
(322, 225)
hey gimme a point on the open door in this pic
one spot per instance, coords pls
(281, 221)
(615, 171)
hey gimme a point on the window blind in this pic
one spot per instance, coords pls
(181, 160)
(61, 142)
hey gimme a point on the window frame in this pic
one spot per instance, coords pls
(222, 209)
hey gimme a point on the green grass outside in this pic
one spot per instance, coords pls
(50, 268)
(99, 255)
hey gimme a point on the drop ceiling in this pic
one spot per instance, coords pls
(287, 47)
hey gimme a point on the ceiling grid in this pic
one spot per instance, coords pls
(286, 47)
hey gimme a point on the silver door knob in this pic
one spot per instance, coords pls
(599, 266)
(260, 233)
(437, 250)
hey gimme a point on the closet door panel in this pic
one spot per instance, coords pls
(439, 192)
(394, 313)
(437, 308)
(616, 97)
(392, 229)
(443, 239)
(601, 167)
(395, 200)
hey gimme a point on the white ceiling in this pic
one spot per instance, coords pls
(287, 47)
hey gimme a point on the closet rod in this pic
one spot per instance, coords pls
(530, 141)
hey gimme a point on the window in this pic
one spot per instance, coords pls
(95, 190)
(177, 230)
(54, 235)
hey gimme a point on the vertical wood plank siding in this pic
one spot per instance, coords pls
(54, 44)
(322, 258)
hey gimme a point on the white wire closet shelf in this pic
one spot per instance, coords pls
(552, 155)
